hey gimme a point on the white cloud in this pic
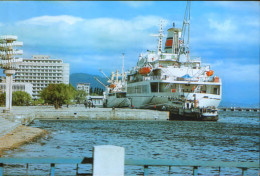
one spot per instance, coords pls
(97, 33)
(137, 4)
(1, 24)
(235, 5)
(229, 31)
(222, 26)
(235, 72)
(49, 20)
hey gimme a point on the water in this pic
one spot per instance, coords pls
(235, 137)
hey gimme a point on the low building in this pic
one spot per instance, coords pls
(26, 87)
(96, 100)
(84, 86)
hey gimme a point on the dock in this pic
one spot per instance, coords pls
(239, 109)
(24, 115)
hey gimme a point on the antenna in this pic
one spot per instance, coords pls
(123, 69)
(160, 35)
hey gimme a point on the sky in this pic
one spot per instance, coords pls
(92, 35)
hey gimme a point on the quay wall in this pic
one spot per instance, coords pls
(27, 114)
(104, 114)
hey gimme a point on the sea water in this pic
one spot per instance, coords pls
(234, 137)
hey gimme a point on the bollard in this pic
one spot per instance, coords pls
(108, 160)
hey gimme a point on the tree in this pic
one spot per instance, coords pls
(58, 94)
(2, 99)
(80, 96)
(36, 102)
(21, 98)
(91, 91)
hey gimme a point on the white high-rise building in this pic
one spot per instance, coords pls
(41, 70)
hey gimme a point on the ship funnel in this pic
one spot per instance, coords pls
(172, 41)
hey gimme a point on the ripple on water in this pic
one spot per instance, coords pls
(232, 138)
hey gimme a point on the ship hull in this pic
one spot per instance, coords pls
(192, 116)
(162, 102)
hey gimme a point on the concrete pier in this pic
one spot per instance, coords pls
(239, 109)
(26, 114)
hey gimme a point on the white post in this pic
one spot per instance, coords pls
(8, 101)
(108, 160)
(9, 80)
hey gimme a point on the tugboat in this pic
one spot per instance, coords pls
(174, 81)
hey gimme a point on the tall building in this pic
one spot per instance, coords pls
(41, 70)
(84, 86)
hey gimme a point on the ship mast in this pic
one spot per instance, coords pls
(184, 45)
(123, 69)
(160, 40)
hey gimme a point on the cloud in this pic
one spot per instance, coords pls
(246, 5)
(137, 4)
(87, 42)
(224, 26)
(235, 72)
(226, 31)
(49, 20)
(95, 33)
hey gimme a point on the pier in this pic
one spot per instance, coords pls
(110, 160)
(21, 115)
(239, 109)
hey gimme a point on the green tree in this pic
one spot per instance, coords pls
(37, 102)
(58, 94)
(2, 99)
(80, 96)
(21, 98)
(91, 91)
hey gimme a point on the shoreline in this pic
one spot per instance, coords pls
(19, 136)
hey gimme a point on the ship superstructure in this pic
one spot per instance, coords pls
(173, 80)
(115, 92)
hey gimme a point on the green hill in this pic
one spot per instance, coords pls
(87, 78)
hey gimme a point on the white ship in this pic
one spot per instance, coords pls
(115, 92)
(172, 80)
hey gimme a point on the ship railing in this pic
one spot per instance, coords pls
(145, 163)
(146, 78)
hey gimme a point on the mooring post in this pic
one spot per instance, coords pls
(108, 160)
(1, 169)
(244, 171)
(145, 170)
(195, 170)
(52, 169)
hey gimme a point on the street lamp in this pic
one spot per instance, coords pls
(9, 63)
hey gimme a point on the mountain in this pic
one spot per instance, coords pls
(87, 78)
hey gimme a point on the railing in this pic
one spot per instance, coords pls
(244, 166)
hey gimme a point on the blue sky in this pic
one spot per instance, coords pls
(92, 35)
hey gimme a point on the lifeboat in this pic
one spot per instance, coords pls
(112, 85)
(210, 73)
(144, 70)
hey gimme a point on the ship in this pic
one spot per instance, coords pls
(170, 79)
(115, 91)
